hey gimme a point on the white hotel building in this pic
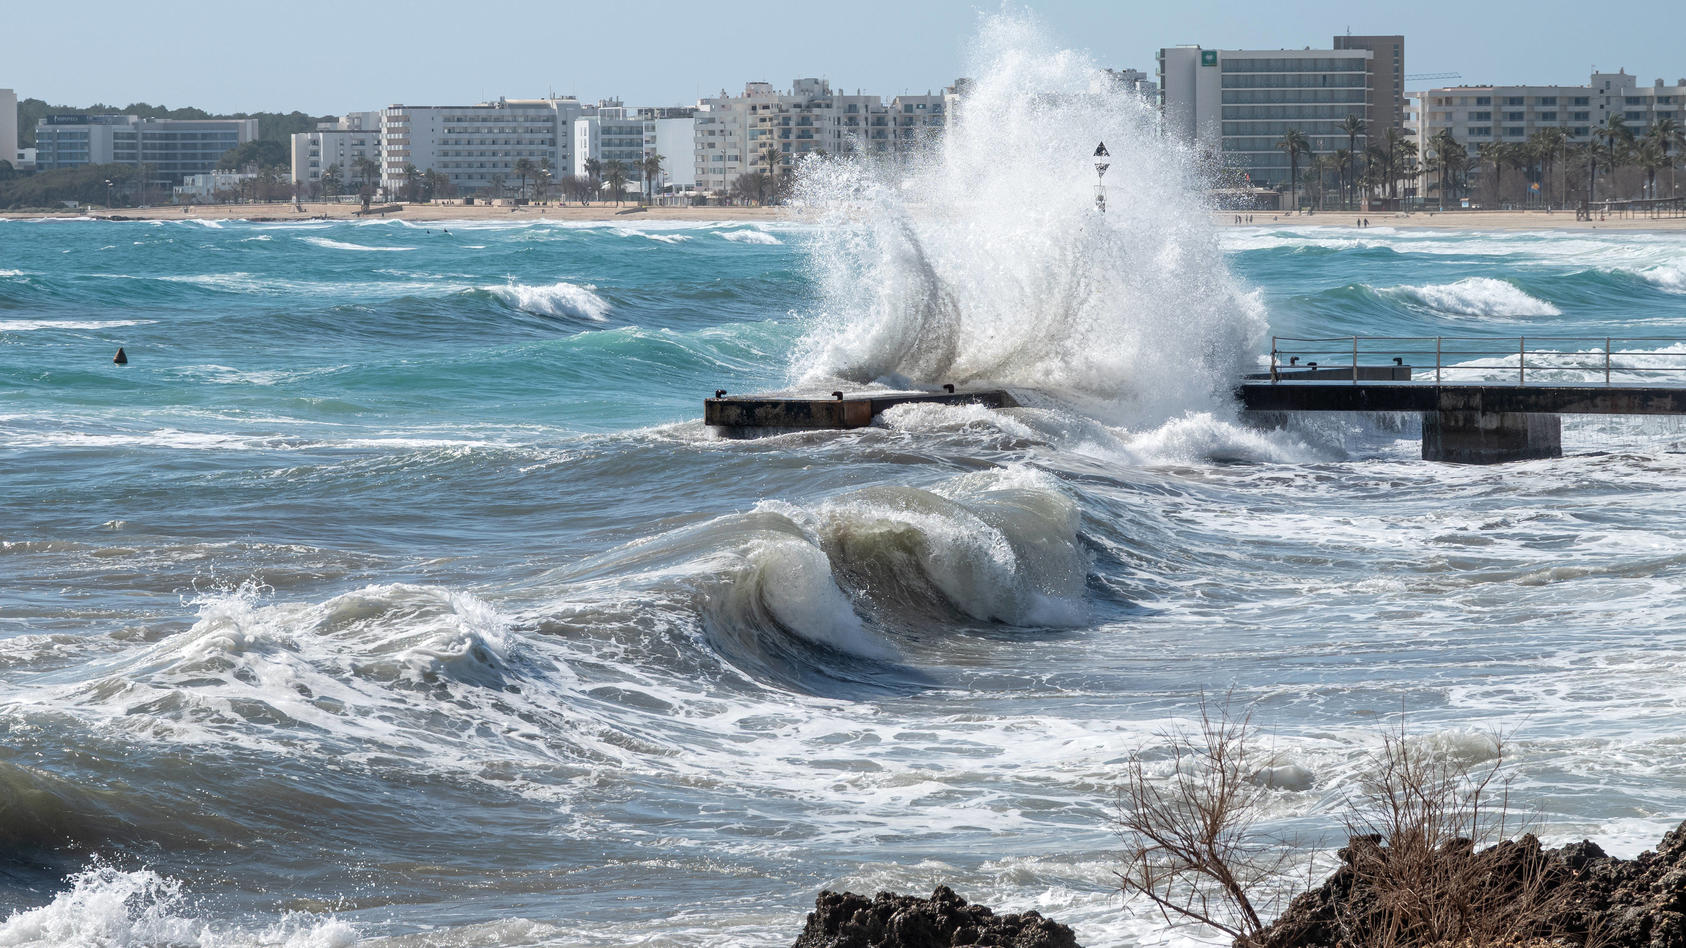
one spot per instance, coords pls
(474, 144)
(1236, 104)
(733, 133)
(340, 145)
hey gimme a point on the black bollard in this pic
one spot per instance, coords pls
(121, 358)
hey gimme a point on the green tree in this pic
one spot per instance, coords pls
(1617, 138)
(1295, 144)
(1353, 126)
(1450, 157)
(773, 157)
(333, 182)
(1667, 133)
(594, 175)
(368, 177)
(256, 154)
(412, 182)
(1343, 160)
(615, 176)
(524, 169)
(652, 168)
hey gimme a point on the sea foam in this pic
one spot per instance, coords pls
(1477, 296)
(556, 299)
(982, 257)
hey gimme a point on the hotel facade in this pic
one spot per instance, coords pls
(1234, 105)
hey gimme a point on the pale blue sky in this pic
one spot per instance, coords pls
(332, 57)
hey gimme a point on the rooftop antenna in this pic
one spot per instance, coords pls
(1100, 175)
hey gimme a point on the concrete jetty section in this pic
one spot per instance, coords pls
(750, 415)
(1462, 423)
(1469, 423)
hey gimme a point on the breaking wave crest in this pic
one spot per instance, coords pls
(556, 299)
(1477, 296)
(110, 907)
(983, 257)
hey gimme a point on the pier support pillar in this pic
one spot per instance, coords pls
(1490, 437)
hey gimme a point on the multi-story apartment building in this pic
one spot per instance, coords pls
(477, 145)
(1479, 115)
(1387, 79)
(611, 132)
(1236, 104)
(1134, 80)
(734, 133)
(172, 148)
(341, 145)
(9, 126)
(672, 134)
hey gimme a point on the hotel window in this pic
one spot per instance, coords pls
(1513, 116)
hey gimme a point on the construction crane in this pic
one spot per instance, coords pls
(1419, 76)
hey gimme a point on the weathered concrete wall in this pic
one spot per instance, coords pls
(1490, 437)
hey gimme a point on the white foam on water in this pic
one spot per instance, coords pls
(1671, 277)
(983, 257)
(556, 299)
(750, 237)
(29, 325)
(112, 908)
(1477, 296)
(328, 243)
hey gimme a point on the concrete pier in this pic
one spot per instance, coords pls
(1471, 423)
(1490, 437)
(749, 415)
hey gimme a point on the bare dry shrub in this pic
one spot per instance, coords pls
(1193, 846)
(1431, 858)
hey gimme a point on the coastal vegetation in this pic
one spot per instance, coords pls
(1436, 853)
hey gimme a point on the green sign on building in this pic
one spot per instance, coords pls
(1208, 57)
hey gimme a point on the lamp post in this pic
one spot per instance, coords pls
(108, 194)
(1100, 176)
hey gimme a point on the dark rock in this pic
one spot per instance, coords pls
(1576, 894)
(887, 920)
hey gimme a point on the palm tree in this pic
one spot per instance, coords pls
(1650, 158)
(614, 175)
(1617, 136)
(368, 175)
(1353, 126)
(1548, 146)
(773, 157)
(1295, 144)
(331, 182)
(652, 168)
(411, 173)
(1449, 157)
(1342, 159)
(1666, 132)
(524, 167)
(1396, 158)
(594, 173)
(1499, 154)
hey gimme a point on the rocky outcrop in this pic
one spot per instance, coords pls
(1576, 895)
(887, 920)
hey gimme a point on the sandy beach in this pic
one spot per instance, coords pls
(1444, 220)
(1458, 220)
(417, 212)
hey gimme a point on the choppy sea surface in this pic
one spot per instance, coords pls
(394, 593)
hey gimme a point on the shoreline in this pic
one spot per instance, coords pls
(1473, 221)
(1467, 221)
(316, 210)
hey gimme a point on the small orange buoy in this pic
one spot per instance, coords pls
(121, 358)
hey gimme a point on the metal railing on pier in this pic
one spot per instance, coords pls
(1492, 360)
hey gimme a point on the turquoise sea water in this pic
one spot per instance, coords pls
(393, 592)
